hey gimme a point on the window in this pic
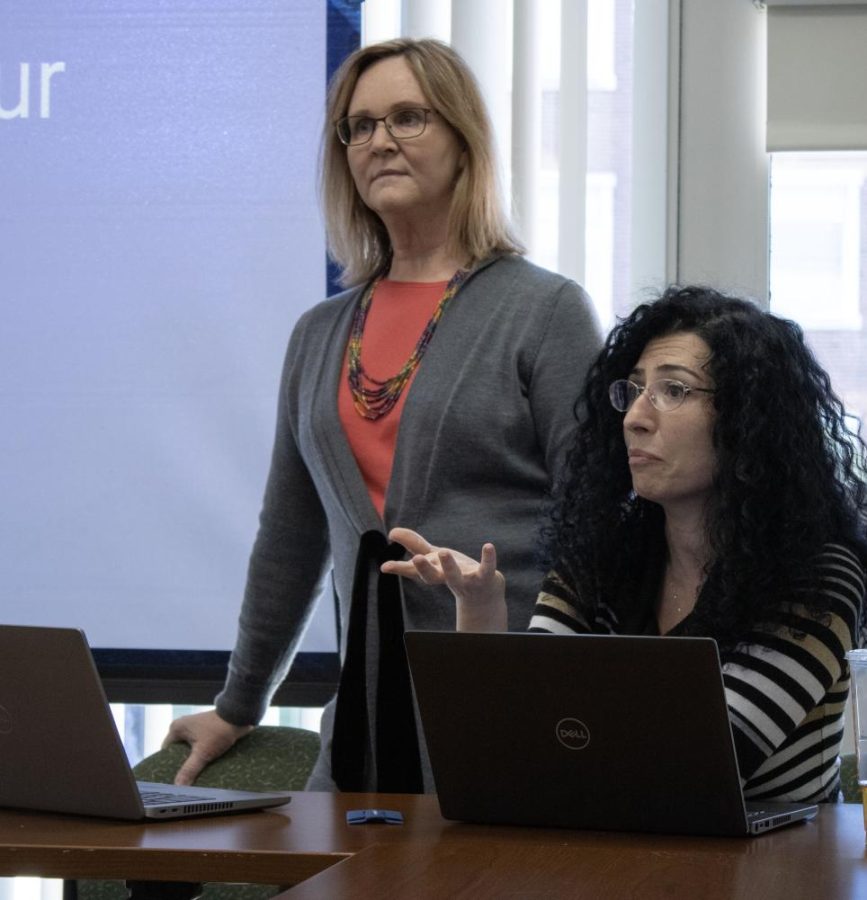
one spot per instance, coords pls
(610, 236)
(818, 249)
(607, 245)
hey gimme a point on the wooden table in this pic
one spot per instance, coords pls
(309, 845)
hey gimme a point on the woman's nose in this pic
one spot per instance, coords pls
(641, 415)
(381, 137)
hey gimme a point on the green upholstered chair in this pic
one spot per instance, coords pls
(849, 779)
(269, 758)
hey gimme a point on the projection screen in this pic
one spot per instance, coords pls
(159, 236)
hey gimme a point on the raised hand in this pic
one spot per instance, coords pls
(479, 589)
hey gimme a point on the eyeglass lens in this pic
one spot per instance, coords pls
(665, 394)
(401, 124)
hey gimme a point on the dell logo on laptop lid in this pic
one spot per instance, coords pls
(573, 734)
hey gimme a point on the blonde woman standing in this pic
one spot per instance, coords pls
(436, 392)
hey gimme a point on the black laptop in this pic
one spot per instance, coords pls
(59, 747)
(592, 732)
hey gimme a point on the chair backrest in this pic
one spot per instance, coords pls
(269, 758)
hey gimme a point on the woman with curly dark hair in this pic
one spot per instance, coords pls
(715, 489)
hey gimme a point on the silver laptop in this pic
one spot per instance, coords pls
(595, 732)
(59, 747)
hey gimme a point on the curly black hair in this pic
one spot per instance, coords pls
(789, 469)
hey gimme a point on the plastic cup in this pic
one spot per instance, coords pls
(858, 667)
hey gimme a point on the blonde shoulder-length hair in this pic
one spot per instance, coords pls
(357, 239)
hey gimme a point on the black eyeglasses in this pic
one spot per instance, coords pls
(666, 394)
(401, 124)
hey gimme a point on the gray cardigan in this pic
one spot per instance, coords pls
(485, 426)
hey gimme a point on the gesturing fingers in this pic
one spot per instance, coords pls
(411, 540)
(488, 562)
(429, 564)
(452, 572)
(465, 576)
(404, 568)
(428, 570)
(415, 567)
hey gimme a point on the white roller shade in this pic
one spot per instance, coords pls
(817, 72)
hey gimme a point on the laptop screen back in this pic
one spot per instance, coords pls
(601, 732)
(61, 752)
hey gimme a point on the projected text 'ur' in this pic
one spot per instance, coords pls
(31, 96)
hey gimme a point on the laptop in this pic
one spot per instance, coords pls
(592, 732)
(59, 747)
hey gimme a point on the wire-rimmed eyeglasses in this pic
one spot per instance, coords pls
(666, 394)
(401, 124)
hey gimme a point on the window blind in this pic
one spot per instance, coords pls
(817, 69)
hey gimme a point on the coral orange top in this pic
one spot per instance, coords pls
(398, 314)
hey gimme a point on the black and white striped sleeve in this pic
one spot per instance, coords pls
(782, 681)
(560, 610)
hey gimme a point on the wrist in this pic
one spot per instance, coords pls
(487, 615)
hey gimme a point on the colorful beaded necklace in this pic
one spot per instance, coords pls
(372, 403)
